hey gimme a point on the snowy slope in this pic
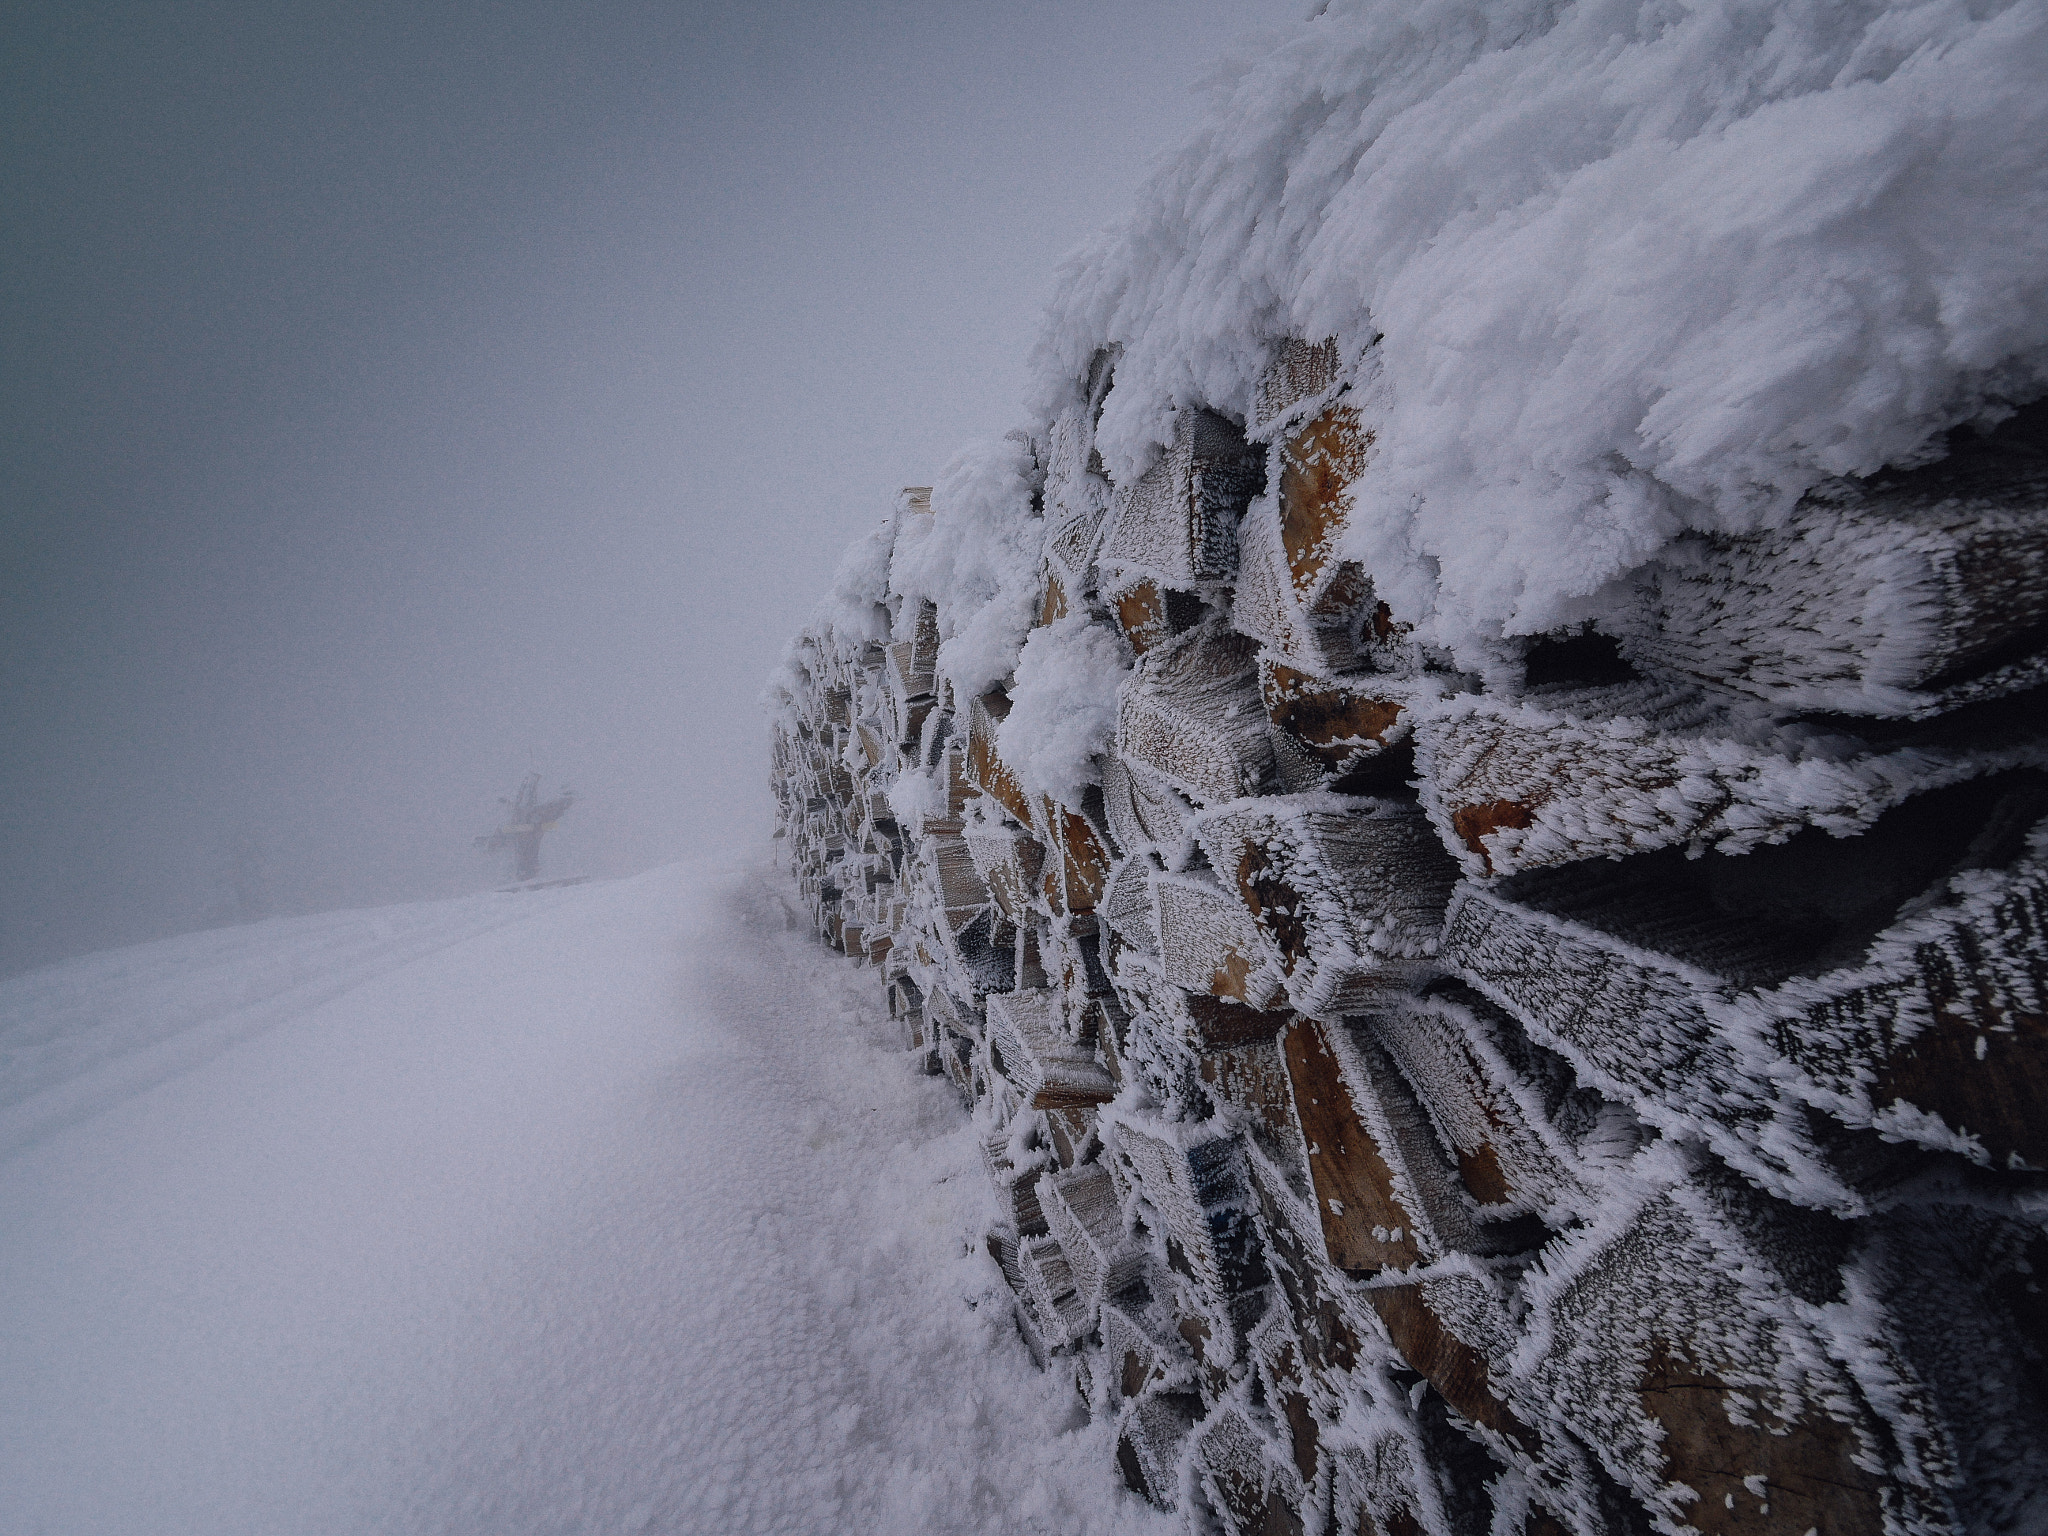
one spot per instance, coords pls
(603, 1209)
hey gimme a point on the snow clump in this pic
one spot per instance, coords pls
(1623, 268)
(975, 557)
(1063, 707)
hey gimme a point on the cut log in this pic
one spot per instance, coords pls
(1249, 1480)
(1221, 1023)
(1420, 1318)
(1704, 989)
(1401, 1479)
(1192, 1181)
(986, 770)
(1149, 1443)
(1209, 944)
(1008, 862)
(1675, 1351)
(1350, 733)
(1348, 894)
(1016, 1180)
(1177, 523)
(1145, 812)
(1294, 591)
(1027, 1047)
(955, 887)
(1385, 1195)
(1083, 1212)
(1901, 595)
(1297, 1405)
(1141, 1357)
(1297, 378)
(1606, 772)
(911, 672)
(1149, 614)
(1487, 1111)
(979, 957)
(1077, 498)
(1049, 1292)
(1073, 962)
(1192, 714)
(1007, 1250)
(1267, 606)
(1127, 905)
(1071, 1133)
(1076, 870)
(959, 787)
(1251, 1074)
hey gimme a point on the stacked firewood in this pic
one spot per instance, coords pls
(1603, 1094)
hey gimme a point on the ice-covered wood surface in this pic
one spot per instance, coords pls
(1431, 1102)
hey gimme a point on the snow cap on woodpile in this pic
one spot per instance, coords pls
(1606, 271)
(1063, 706)
(975, 557)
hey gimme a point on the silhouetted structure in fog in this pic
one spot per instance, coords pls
(522, 831)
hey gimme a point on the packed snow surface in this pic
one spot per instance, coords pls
(1634, 267)
(609, 1208)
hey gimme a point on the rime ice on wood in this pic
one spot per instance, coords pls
(1484, 891)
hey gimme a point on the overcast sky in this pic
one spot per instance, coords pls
(398, 397)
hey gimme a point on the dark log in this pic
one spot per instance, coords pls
(1900, 595)
(1192, 714)
(1348, 894)
(1178, 521)
(1048, 1070)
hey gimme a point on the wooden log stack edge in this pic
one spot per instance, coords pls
(1603, 1099)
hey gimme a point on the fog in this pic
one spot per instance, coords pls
(399, 399)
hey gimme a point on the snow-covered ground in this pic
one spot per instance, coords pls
(610, 1208)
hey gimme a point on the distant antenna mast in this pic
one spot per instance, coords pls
(527, 818)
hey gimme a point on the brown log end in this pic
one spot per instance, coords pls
(1453, 1367)
(1808, 1474)
(1353, 1185)
(1988, 1077)
(1473, 822)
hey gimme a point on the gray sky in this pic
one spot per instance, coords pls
(396, 397)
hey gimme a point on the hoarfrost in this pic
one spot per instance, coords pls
(1631, 269)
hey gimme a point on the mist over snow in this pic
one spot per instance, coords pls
(399, 398)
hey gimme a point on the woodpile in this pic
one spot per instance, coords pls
(1602, 1096)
